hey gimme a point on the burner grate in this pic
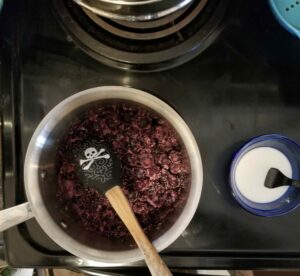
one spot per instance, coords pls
(144, 46)
(150, 30)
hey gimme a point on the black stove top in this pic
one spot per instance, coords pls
(245, 84)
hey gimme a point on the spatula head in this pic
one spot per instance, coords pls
(96, 165)
(275, 178)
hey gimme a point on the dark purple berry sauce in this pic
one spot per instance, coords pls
(155, 176)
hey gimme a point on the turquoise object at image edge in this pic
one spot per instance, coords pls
(1, 4)
(282, 20)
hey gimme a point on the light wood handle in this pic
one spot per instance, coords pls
(121, 205)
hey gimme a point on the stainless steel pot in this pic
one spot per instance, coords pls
(133, 10)
(40, 180)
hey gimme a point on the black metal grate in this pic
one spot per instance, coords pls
(124, 42)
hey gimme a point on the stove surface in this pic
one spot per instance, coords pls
(245, 84)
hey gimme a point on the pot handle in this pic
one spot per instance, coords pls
(15, 215)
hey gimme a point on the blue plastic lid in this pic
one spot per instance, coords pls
(287, 13)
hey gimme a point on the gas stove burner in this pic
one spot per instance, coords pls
(145, 45)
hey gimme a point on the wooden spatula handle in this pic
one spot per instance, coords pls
(121, 205)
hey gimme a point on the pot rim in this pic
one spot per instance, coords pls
(127, 17)
(39, 138)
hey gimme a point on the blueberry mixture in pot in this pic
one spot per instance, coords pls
(156, 171)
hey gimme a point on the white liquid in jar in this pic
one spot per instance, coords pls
(251, 172)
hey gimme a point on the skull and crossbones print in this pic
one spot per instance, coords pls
(91, 154)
